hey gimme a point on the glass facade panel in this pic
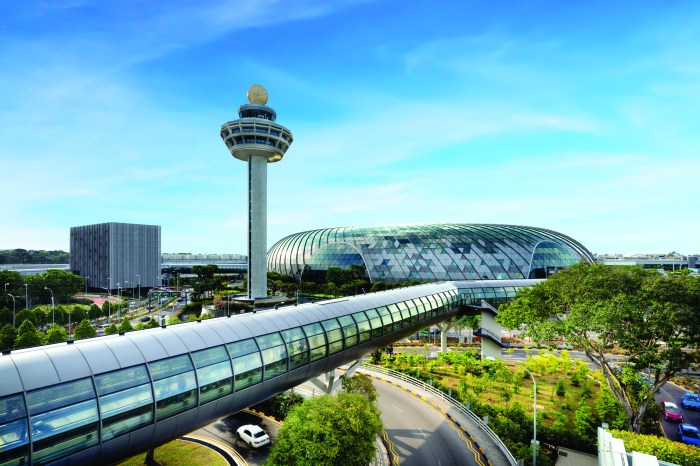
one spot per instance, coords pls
(387, 322)
(14, 441)
(335, 336)
(317, 341)
(174, 384)
(349, 330)
(363, 327)
(297, 347)
(214, 373)
(376, 322)
(63, 420)
(274, 354)
(126, 401)
(247, 364)
(396, 316)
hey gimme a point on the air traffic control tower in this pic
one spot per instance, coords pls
(257, 139)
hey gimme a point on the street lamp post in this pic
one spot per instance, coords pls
(14, 305)
(26, 295)
(86, 279)
(119, 302)
(109, 310)
(534, 421)
(53, 316)
(138, 279)
(6, 287)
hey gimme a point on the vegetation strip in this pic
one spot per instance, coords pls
(224, 451)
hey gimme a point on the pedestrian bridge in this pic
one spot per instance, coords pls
(101, 400)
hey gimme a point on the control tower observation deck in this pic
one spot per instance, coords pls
(257, 139)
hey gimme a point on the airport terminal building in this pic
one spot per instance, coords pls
(437, 252)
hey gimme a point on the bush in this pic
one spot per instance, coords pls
(663, 448)
(560, 388)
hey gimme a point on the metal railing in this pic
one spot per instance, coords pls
(489, 334)
(453, 402)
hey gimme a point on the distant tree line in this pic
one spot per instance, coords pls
(24, 256)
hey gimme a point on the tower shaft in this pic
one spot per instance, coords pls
(257, 227)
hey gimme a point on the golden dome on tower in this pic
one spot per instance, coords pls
(257, 94)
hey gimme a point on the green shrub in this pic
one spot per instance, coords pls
(663, 448)
(560, 388)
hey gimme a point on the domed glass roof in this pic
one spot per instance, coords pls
(430, 252)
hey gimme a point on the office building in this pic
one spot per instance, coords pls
(116, 255)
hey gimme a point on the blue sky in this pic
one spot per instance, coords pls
(581, 117)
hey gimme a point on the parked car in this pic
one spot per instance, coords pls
(689, 434)
(670, 411)
(691, 401)
(145, 318)
(253, 435)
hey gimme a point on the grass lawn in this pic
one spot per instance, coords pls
(180, 453)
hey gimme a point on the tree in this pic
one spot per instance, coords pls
(111, 330)
(84, 330)
(327, 431)
(56, 334)
(7, 337)
(597, 307)
(360, 384)
(63, 283)
(5, 316)
(28, 336)
(25, 314)
(125, 326)
(94, 312)
(78, 314)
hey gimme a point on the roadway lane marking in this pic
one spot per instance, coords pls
(397, 408)
(392, 449)
(422, 433)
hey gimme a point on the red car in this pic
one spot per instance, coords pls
(670, 412)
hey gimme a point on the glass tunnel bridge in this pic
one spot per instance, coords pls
(101, 400)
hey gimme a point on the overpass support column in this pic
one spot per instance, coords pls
(330, 383)
(490, 348)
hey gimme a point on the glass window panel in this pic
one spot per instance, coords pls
(241, 348)
(375, 321)
(386, 320)
(64, 444)
(168, 367)
(14, 443)
(363, 327)
(120, 402)
(349, 330)
(11, 408)
(57, 396)
(293, 334)
(335, 335)
(268, 341)
(275, 360)
(175, 394)
(62, 420)
(126, 422)
(215, 381)
(247, 370)
(209, 356)
(122, 379)
(126, 411)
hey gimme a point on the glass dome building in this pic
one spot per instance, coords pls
(429, 252)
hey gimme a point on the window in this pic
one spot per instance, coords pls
(396, 316)
(126, 402)
(386, 320)
(335, 336)
(297, 347)
(349, 330)
(214, 373)
(14, 441)
(174, 385)
(247, 365)
(317, 341)
(376, 322)
(421, 309)
(63, 419)
(274, 354)
(365, 330)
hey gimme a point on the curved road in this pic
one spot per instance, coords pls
(420, 434)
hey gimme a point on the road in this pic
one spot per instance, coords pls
(419, 434)
(671, 392)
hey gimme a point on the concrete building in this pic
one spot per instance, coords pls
(116, 255)
(255, 138)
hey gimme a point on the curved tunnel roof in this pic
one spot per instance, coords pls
(430, 252)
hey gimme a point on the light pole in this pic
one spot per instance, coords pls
(119, 302)
(109, 309)
(138, 279)
(86, 279)
(14, 305)
(26, 295)
(177, 282)
(53, 316)
(6, 287)
(534, 421)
